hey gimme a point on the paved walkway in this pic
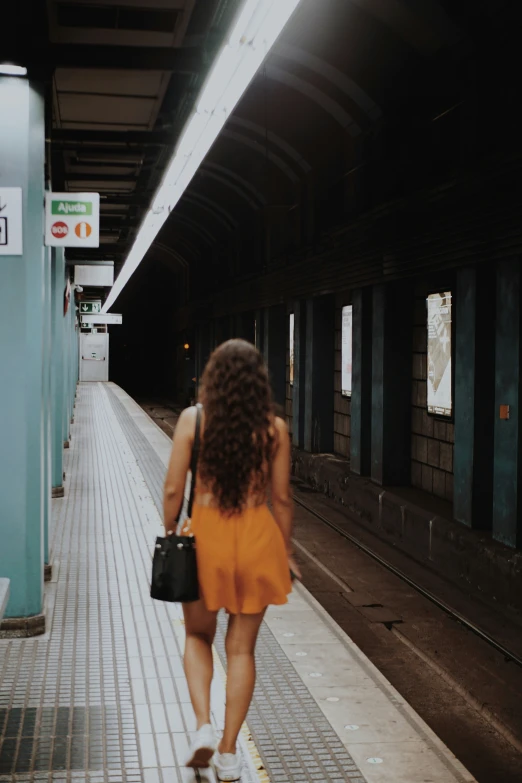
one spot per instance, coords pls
(102, 695)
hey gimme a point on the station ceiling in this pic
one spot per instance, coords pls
(122, 77)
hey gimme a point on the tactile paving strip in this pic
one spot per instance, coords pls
(101, 697)
(295, 740)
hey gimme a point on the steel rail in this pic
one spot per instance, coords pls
(508, 655)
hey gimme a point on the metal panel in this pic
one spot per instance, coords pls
(94, 357)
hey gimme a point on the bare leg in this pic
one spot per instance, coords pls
(200, 627)
(241, 674)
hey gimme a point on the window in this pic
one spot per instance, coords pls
(439, 375)
(291, 349)
(346, 351)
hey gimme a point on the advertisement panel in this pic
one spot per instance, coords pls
(440, 401)
(346, 350)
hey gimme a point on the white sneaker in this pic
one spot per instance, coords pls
(203, 747)
(228, 767)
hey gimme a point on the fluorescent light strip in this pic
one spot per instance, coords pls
(7, 69)
(257, 28)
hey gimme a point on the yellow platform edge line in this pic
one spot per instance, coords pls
(246, 734)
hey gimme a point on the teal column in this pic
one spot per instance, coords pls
(474, 398)
(57, 369)
(361, 404)
(392, 329)
(47, 336)
(319, 375)
(22, 329)
(74, 357)
(66, 413)
(299, 388)
(507, 521)
(274, 348)
(259, 330)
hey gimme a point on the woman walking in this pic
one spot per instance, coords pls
(243, 551)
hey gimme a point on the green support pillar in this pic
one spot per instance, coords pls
(259, 330)
(22, 328)
(47, 336)
(361, 407)
(319, 375)
(57, 368)
(507, 511)
(474, 398)
(299, 387)
(392, 327)
(274, 349)
(67, 358)
(74, 357)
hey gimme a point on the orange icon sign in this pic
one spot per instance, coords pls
(83, 230)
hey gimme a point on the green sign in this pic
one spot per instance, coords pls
(71, 208)
(90, 307)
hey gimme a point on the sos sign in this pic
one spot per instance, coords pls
(59, 229)
(72, 219)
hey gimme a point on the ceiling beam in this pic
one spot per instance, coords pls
(78, 136)
(71, 176)
(124, 199)
(137, 58)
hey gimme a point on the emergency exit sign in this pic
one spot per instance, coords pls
(90, 307)
(72, 219)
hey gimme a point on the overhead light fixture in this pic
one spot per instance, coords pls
(8, 69)
(256, 29)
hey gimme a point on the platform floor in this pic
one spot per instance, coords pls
(102, 695)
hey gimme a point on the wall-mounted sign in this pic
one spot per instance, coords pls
(101, 276)
(102, 318)
(90, 307)
(346, 350)
(11, 222)
(440, 391)
(72, 219)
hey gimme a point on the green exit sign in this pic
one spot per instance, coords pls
(88, 308)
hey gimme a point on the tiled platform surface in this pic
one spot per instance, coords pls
(102, 696)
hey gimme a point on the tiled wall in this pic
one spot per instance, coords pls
(432, 438)
(342, 405)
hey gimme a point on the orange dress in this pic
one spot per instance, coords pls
(242, 560)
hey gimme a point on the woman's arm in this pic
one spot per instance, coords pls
(179, 466)
(280, 484)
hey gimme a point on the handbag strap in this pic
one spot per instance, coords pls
(193, 471)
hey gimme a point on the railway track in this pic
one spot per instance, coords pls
(509, 655)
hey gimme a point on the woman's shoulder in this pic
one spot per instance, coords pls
(280, 425)
(188, 415)
(279, 428)
(187, 421)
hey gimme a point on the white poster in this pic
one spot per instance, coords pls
(291, 349)
(440, 400)
(346, 350)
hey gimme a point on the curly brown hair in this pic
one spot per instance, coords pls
(238, 441)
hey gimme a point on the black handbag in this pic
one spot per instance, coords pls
(174, 566)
